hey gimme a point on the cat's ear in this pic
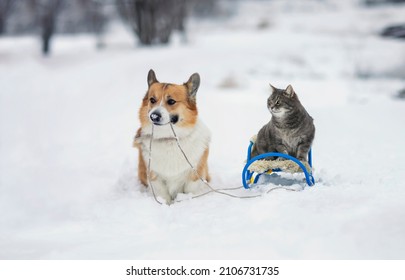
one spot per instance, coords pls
(273, 89)
(289, 91)
(152, 78)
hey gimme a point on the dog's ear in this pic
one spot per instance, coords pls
(192, 85)
(273, 89)
(289, 91)
(152, 78)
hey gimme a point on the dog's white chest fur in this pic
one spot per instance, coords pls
(167, 161)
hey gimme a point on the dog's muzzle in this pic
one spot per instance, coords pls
(161, 117)
(174, 119)
(156, 118)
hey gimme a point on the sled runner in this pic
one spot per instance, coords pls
(257, 166)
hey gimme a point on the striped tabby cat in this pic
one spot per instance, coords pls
(290, 130)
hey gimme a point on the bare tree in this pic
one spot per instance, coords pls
(153, 21)
(47, 14)
(5, 8)
(98, 19)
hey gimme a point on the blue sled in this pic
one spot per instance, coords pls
(247, 175)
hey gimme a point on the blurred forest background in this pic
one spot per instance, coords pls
(150, 21)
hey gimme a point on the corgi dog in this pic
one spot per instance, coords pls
(166, 106)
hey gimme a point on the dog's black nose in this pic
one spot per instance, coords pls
(155, 117)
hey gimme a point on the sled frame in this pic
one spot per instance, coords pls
(247, 175)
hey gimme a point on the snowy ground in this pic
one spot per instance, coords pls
(68, 184)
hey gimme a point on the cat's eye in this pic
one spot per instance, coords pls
(277, 103)
(171, 101)
(152, 100)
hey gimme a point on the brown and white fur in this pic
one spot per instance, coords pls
(166, 103)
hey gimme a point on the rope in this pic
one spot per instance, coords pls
(198, 175)
(148, 171)
(219, 191)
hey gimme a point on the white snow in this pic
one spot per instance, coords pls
(68, 183)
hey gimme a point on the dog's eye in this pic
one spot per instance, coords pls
(171, 101)
(152, 100)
